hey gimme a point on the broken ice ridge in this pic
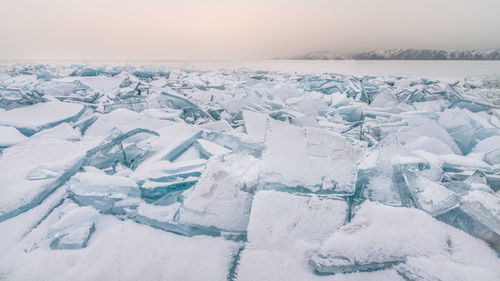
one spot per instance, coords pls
(313, 172)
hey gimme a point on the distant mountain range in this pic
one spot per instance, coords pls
(403, 54)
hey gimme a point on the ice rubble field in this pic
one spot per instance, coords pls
(144, 173)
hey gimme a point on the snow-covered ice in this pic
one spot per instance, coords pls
(32, 119)
(10, 136)
(383, 236)
(167, 173)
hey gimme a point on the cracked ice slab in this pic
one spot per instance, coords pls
(172, 141)
(162, 177)
(219, 203)
(255, 123)
(223, 195)
(283, 228)
(210, 149)
(95, 188)
(40, 159)
(433, 198)
(484, 206)
(31, 119)
(478, 214)
(311, 159)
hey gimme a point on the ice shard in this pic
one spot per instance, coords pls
(97, 189)
(164, 177)
(209, 149)
(465, 128)
(31, 119)
(255, 123)
(431, 197)
(73, 229)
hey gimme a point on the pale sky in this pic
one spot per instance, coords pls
(201, 29)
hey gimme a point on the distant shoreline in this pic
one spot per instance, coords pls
(350, 59)
(404, 54)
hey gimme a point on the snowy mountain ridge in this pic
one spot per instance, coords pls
(404, 54)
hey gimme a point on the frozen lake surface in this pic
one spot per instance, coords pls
(429, 69)
(256, 170)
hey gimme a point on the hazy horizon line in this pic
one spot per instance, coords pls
(287, 57)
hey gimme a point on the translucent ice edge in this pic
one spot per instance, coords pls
(68, 173)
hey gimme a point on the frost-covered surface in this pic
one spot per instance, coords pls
(383, 236)
(151, 173)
